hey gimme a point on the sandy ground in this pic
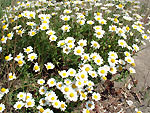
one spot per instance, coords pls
(142, 61)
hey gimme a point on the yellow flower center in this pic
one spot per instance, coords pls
(120, 31)
(80, 22)
(74, 86)
(27, 49)
(120, 5)
(19, 106)
(44, 21)
(79, 83)
(32, 57)
(31, 15)
(62, 44)
(87, 111)
(56, 103)
(33, 33)
(5, 26)
(53, 38)
(104, 78)
(43, 101)
(20, 62)
(133, 64)
(62, 105)
(36, 67)
(98, 18)
(7, 57)
(113, 60)
(1, 108)
(66, 89)
(102, 71)
(8, 35)
(87, 69)
(18, 56)
(10, 77)
(94, 57)
(70, 46)
(29, 103)
(95, 44)
(66, 28)
(27, 97)
(71, 94)
(113, 28)
(41, 110)
(129, 60)
(82, 76)
(66, 18)
(53, 98)
(98, 33)
(85, 57)
(71, 72)
(19, 32)
(116, 20)
(121, 43)
(139, 112)
(42, 90)
(98, 60)
(52, 82)
(127, 28)
(78, 51)
(64, 74)
(95, 96)
(111, 69)
(2, 39)
(21, 96)
(44, 27)
(83, 95)
(89, 105)
(102, 22)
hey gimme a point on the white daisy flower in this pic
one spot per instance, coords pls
(49, 65)
(95, 44)
(132, 70)
(102, 71)
(53, 38)
(42, 90)
(18, 105)
(4, 91)
(51, 82)
(122, 43)
(41, 81)
(21, 96)
(28, 50)
(48, 111)
(65, 28)
(2, 107)
(82, 43)
(71, 72)
(90, 105)
(63, 74)
(29, 103)
(3, 39)
(96, 96)
(36, 68)
(44, 27)
(8, 58)
(78, 50)
(11, 76)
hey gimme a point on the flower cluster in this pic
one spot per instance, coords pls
(67, 48)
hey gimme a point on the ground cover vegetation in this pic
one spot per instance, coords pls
(53, 55)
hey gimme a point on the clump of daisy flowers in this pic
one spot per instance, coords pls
(59, 51)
